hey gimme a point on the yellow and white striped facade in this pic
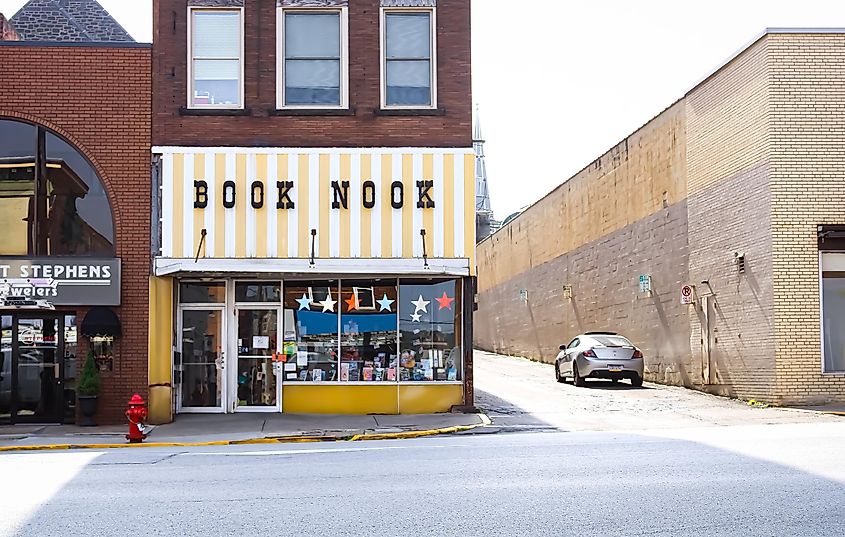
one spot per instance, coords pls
(242, 233)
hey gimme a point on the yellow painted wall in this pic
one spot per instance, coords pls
(335, 399)
(160, 336)
(430, 398)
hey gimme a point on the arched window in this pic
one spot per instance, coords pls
(52, 202)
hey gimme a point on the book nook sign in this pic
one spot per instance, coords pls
(45, 282)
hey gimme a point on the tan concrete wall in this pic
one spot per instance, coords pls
(808, 189)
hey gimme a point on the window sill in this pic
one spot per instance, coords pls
(410, 112)
(214, 111)
(313, 111)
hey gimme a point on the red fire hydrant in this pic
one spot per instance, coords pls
(137, 416)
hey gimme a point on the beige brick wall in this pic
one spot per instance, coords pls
(808, 189)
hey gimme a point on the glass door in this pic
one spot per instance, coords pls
(257, 386)
(203, 361)
(5, 369)
(37, 387)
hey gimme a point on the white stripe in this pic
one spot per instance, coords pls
(334, 214)
(231, 221)
(167, 205)
(439, 224)
(397, 213)
(313, 204)
(375, 212)
(250, 211)
(187, 206)
(272, 197)
(355, 207)
(293, 214)
(412, 198)
(458, 223)
(212, 206)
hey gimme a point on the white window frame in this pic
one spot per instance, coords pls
(190, 85)
(280, 58)
(383, 56)
(832, 261)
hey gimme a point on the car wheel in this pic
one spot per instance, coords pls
(577, 379)
(637, 382)
(558, 377)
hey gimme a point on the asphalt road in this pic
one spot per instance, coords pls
(745, 481)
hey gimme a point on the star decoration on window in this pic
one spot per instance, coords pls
(445, 301)
(304, 302)
(415, 318)
(421, 305)
(352, 302)
(384, 303)
(328, 303)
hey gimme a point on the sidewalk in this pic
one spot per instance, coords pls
(226, 429)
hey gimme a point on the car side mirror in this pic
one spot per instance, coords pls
(563, 347)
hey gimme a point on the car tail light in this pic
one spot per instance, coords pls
(637, 354)
(588, 353)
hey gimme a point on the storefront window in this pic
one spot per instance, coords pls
(833, 316)
(368, 323)
(258, 292)
(52, 202)
(202, 293)
(5, 368)
(430, 331)
(311, 315)
(70, 367)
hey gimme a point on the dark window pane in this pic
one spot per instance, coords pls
(258, 292)
(70, 341)
(368, 331)
(430, 331)
(201, 293)
(408, 35)
(18, 142)
(833, 318)
(5, 368)
(408, 83)
(310, 35)
(312, 82)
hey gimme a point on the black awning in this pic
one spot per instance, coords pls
(100, 321)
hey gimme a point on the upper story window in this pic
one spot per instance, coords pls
(52, 202)
(216, 58)
(408, 66)
(312, 57)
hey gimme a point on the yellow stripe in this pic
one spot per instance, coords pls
(281, 214)
(325, 232)
(220, 217)
(449, 206)
(428, 214)
(366, 214)
(178, 204)
(261, 214)
(199, 214)
(302, 207)
(345, 174)
(242, 195)
(469, 210)
(386, 208)
(408, 232)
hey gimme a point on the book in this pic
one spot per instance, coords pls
(317, 375)
(344, 372)
(452, 374)
(303, 375)
(391, 373)
(353, 371)
(368, 374)
(379, 374)
(428, 373)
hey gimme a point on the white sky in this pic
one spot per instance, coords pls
(559, 83)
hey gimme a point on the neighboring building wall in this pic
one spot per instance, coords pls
(449, 126)
(808, 167)
(728, 161)
(7, 31)
(99, 99)
(622, 216)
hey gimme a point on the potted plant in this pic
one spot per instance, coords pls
(87, 391)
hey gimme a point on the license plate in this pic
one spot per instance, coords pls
(614, 368)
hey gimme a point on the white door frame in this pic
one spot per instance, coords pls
(223, 349)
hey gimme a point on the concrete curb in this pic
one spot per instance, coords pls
(288, 439)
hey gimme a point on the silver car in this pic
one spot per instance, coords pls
(604, 355)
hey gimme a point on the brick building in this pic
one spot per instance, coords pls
(737, 190)
(75, 214)
(315, 168)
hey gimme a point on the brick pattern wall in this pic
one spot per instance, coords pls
(808, 189)
(99, 99)
(449, 127)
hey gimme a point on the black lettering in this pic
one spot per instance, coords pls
(397, 186)
(368, 194)
(284, 188)
(257, 187)
(340, 191)
(200, 194)
(229, 194)
(424, 200)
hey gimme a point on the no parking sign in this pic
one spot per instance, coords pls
(687, 294)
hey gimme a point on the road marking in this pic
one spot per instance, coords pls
(290, 451)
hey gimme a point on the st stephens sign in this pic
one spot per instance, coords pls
(58, 281)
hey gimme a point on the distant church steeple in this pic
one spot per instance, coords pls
(485, 225)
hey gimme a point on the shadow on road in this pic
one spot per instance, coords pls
(508, 416)
(622, 385)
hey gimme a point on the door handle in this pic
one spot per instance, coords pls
(56, 371)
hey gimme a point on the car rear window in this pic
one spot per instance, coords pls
(612, 341)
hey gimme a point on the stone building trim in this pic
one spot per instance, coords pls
(312, 3)
(216, 3)
(408, 3)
